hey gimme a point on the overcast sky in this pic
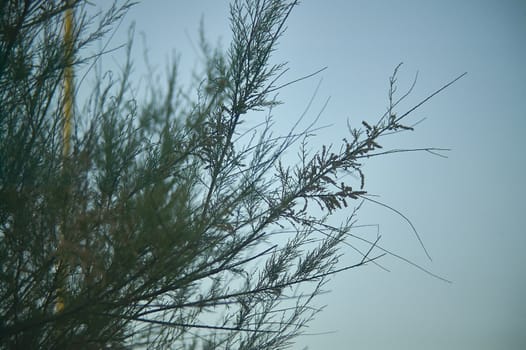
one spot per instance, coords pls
(469, 208)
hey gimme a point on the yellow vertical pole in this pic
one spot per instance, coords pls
(68, 79)
(66, 132)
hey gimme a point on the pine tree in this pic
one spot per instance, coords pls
(161, 224)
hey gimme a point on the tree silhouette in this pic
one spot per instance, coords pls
(165, 224)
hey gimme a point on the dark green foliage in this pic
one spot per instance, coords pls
(164, 227)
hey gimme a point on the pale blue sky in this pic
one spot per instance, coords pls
(468, 208)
